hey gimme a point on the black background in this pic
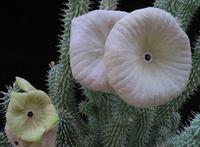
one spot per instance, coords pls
(29, 39)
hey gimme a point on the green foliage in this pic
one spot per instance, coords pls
(100, 103)
(98, 110)
(103, 119)
(197, 46)
(166, 131)
(187, 138)
(115, 131)
(4, 141)
(61, 90)
(140, 134)
(4, 101)
(61, 83)
(184, 10)
(60, 80)
(69, 131)
(108, 4)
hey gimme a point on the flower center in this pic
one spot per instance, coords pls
(30, 113)
(147, 57)
(16, 142)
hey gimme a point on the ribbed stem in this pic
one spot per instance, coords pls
(183, 10)
(190, 137)
(4, 141)
(140, 134)
(108, 4)
(60, 79)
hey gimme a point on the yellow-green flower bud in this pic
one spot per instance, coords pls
(23, 84)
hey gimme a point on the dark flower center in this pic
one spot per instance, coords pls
(30, 114)
(147, 57)
(16, 142)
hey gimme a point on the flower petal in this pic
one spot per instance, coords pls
(148, 58)
(88, 35)
(38, 97)
(16, 142)
(17, 102)
(32, 134)
(23, 84)
(43, 117)
(16, 123)
(20, 101)
(51, 118)
(48, 140)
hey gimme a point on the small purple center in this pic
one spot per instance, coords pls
(30, 114)
(147, 57)
(16, 142)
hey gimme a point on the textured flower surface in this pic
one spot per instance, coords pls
(148, 58)
(88, 35)
(30, 115)
(48, 139)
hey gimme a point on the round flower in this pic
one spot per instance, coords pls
(88, 35)
(148, 58)
(30, 115)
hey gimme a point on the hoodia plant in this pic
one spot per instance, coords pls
(120, 81)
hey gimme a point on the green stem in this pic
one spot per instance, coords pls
(190, 137)
(108, 4)
(140, 134)
(184, 10)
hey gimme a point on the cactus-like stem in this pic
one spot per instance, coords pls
(103, 119)
(4, 101)
(115, 132)
(4, 140)
(166, 131)
(140, 135)
(184, 10)
(69, 132)
(60, 79)
(99, 110)
(61, 84)
(108, 4)
(189, 137)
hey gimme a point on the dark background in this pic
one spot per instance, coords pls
(29, 39)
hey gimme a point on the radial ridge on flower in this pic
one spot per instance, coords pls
(148, 58)
(48, 139)
(30, 115)
(87, 45)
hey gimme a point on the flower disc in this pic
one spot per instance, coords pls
(88, 35)
(148, 58)
(30, 115)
